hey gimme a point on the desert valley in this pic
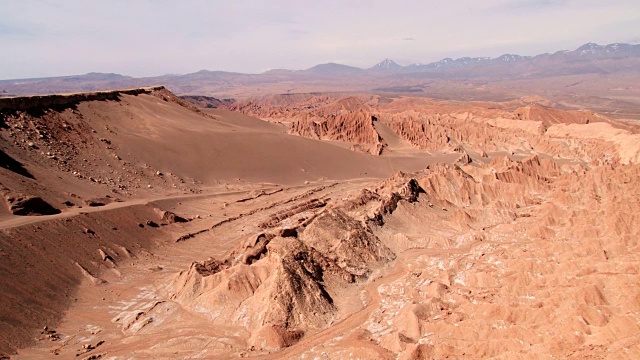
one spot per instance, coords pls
(467, 208)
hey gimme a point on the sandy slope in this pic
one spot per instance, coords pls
(229, 146)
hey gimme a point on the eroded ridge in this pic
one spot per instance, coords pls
(281, 283)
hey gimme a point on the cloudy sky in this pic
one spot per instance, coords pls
(155, 37)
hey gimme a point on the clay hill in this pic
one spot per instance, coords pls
(137, 224)
(387, 124)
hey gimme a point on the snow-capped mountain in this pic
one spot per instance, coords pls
(581, 60)
(510, 58)
(386, 65)
(589, 48)
(590, 58)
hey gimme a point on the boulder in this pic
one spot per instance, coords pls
(29, 205)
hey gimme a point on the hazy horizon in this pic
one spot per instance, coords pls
(150, 38)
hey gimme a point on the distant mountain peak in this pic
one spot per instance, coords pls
(510, 58)
(386, 65)
(333, 68)
(616, 50)
(589, 48)
(104, 76)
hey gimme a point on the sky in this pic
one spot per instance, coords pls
(41, 38)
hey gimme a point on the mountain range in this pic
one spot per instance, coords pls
(585, 53)
(586, 58)
(589, 57)
(602, 77)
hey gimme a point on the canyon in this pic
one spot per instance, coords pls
(353, 224)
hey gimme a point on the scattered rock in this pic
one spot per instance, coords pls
(170, 217)
(152, 224)
(104, 256)
(87, 275)
(288, 232)
(101, 201)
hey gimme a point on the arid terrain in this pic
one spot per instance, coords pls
(328, 225)
(601, 78)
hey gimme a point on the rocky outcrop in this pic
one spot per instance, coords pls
(41, 102)
(278, 217)
(356, 127)
(208, 102)
(280, 284)
(347, 119)
(444, 126)
(169, 217)
(282, 291)
(346, 242)
(20, 204)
